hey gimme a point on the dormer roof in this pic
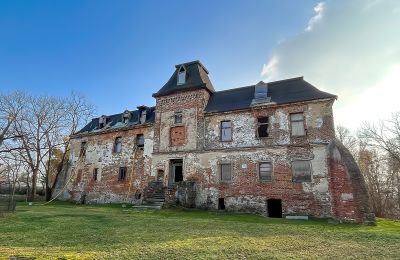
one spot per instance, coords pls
(196, 78)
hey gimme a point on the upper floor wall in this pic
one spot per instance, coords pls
(291, 124)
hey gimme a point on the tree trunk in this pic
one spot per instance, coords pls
(33, 190)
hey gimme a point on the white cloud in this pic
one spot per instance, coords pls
(350, 49)
(319, 9)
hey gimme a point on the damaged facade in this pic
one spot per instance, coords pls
(268, 148)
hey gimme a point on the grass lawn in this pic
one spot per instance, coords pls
(68, 231)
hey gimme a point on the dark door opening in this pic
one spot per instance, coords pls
(274, 208)
(221, 203)
(176, 171)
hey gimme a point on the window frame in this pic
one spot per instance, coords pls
(259, 171)
(222, 128)
(220, 165)
(177, 115)
(141, 146)
(83, 148)
(296, 121)
(261, 124)
(178, 82)
(115, 144)
(120, 175)
(293, 171)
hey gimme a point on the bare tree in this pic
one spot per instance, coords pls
(11, 106)
(344, 135)
(383, 170)
(40, 117)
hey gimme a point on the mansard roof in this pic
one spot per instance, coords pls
(116, 121)
(280, 92)
(196, 78)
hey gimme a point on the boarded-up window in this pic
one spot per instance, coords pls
(83, 149)
(122, 174)
(226, 131)
(177, 135)
(262, 129)
(265, 171)
(301, 171)
(118, 145)
(226, 172)
(95, 174)
(140, 141)
(297, 124)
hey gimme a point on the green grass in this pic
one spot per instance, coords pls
(68, 231)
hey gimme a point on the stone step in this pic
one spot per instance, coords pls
(152, 200)
(158, 207)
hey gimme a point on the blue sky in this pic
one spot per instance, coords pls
(117, 53)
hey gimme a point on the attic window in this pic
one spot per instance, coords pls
(126, 116)
(102, 121)
(181, 76)
(143, 114)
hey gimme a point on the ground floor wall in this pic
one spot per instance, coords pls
(245, 192)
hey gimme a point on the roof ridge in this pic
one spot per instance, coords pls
(192, 62)
(231, 89)
(286, 80)
(121, 113)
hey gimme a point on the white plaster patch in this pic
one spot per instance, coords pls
(346, 196)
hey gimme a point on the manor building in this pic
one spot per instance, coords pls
(268, 148)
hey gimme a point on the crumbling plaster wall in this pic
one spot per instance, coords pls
(246, 192)
(100, 155)
(318, 124)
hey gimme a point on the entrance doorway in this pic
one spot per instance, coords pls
(274, 208)
(176, 173)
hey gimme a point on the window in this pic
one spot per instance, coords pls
(297, 124)
(226, 131)
(140, 141)
(83, 149)
(118, 145)
(265, 171)
(301, 171)
(102, 121)
(95, 174)
(178, 118)
(122, 174)
(181, 76)
(143, 114)
(126, 117)
(226, 172)
(262, 129)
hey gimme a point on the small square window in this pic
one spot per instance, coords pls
(122, 174)
(226, 131)
(301, 171)
(178, 118)
(225, 172)
(265, 171)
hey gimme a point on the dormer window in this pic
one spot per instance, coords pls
(102, 121)
(126, 116)
(181, 75)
